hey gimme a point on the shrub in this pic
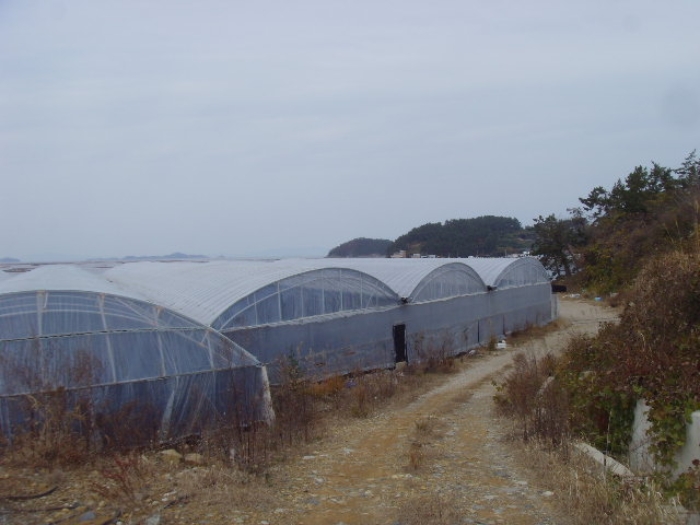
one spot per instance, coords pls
(535, 399)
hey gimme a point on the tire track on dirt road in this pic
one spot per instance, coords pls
(375, 470)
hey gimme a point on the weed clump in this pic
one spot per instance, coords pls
(533, 397)
(430, 509)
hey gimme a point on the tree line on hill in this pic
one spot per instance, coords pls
(487, 236)
(602, 244)
(641, 239)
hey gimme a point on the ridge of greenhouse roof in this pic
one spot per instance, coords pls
(403, 282)
(491, 268)
(201, 290)
(204, 290)
(62, 277)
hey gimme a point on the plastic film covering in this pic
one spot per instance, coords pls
(449, 280)
(313, 293)
(525, 271)
(202, 290)
(334, 315)
(115, 355)
(509, 272)
(404, 276)
(358, 341)
(451, 311)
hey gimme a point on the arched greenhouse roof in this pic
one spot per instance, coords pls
(213, 292)
(95, 325)
(409, 277)
(230, 293)
(322, 291)
(201, 290)
(509, 272)
(60, 277)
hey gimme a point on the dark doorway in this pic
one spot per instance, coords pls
(400, 343)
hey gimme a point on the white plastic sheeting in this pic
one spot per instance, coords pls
(125, 361)
(335, 315)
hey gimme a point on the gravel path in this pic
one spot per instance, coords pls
(446, 448)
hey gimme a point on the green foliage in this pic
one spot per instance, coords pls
(482, 236)
(653, 353)
(606, 242)
(635, 195)
(556, 241)
(652, 211)
(361, 247)
(600, 411)
(687, 486)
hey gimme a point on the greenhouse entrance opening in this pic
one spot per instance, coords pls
(400, 343)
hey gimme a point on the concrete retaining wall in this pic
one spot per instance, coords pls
(641, 460)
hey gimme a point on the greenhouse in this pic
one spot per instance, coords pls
(74, 346)
(440, 307)
(192, 342)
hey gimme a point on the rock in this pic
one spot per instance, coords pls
(548, 493)
(194, 459)
(87, 516)
(153, 520)
(170, 455)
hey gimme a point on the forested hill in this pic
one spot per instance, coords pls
(487, 236)
(361, 247)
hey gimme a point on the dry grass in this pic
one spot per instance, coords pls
(217, 485)
(421, 451)
(535, 332)
(430, 509)
(539, 411)
(239, 463)
(586, 495)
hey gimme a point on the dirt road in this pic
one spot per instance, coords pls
(441, 459)
(445, 448)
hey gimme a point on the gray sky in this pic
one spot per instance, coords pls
(285, 128)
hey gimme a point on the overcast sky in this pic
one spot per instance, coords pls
(286, 128)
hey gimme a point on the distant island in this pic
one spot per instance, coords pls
(9, 260)
(486, 236)
(176, 256)
(361, 247)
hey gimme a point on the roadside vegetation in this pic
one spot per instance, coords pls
(604, 243)
(636, 246)
(229, 463)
